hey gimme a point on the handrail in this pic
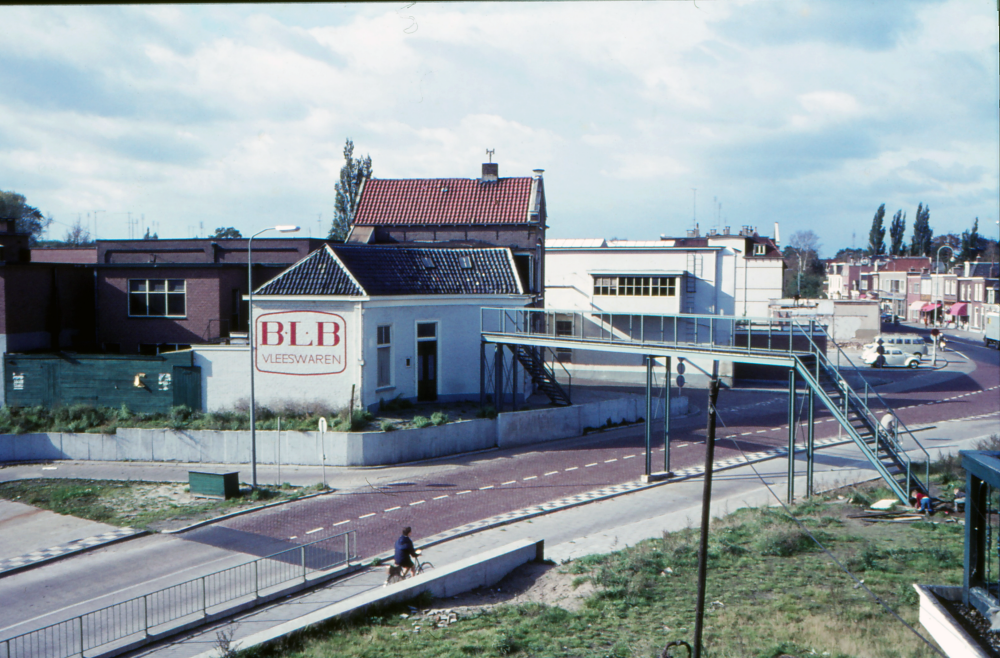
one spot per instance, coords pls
(75, 630)
(569, 375)
(891, 437)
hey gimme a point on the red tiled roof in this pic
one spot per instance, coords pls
(444, 201)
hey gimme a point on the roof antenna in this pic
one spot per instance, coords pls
(490, 152)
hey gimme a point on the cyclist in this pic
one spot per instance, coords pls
(405, 552)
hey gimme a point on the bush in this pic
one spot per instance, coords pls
(785, 543)
(439, 418)
(387, 426)
(487, 412)
(422, 421)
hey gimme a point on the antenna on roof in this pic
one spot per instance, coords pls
(490, 152)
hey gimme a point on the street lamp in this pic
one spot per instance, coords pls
(938, 271)
(250, 342)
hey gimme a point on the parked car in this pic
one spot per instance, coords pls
(893, 357)
(911, 343)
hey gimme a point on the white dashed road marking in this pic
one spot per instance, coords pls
(365, 516)
(309, 532)
(439, 497)
(392, 509)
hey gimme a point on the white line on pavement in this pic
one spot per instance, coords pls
(608, 461)
(503, 484)
(462, 493)
(391, 509)
(485, 488)
(589, 465)
(550, 473)
(341, 523)
(572, 468)
(531, 477)
(439, 497)
(309, 532)
(365, 516)
(419, 502)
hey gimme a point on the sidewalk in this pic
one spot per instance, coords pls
(599, 527)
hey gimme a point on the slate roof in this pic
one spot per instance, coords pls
(359, 270)
(443, 202)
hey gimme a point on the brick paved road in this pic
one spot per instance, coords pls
(503, 481)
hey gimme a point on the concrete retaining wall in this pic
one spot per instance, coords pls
(443, 582)
(340, 448)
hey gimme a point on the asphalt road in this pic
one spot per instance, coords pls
(436, 496)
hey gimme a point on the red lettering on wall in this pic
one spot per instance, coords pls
(322, 332)
(292, 329)
(264, 332)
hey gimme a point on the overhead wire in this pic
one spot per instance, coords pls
(860, 584)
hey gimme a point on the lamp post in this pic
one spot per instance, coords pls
(250, 342)
(938, 271)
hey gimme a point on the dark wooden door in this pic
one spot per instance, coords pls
(427, 370)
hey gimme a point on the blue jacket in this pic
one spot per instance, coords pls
(404, 549)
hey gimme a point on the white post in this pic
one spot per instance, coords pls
(322, 446)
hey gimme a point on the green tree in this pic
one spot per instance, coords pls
(923, 235)
(28, 218)
(972, 243)
(352, 175)
(847, 254)
(222, 233)
(876, 237)
(804, 273)
(897, 233)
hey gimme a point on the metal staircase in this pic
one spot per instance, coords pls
(860, 416)
(543, 376)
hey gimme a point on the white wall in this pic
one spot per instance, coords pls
(225, 369)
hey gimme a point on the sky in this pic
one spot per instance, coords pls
(646, 117)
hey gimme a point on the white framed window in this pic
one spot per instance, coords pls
(759, 250)
(979, 292)
(157, 298)
(384, 347)
(636, 286)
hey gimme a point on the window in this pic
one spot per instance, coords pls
(979, 292)
(384, 340)
(894, 286)
(864, 284)
(636, 286)
(759, 250)
(157, 298)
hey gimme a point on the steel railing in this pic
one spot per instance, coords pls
(192, 598)
(712, 334)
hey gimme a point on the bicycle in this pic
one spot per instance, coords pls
(396, 571)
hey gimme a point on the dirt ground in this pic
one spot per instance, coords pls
(534, 582)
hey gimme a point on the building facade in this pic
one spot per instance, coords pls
(367, 323)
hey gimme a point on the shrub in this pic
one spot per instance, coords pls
(439, 418)
(422, 421)
(785, 543)
(487, 412)
(387, 426)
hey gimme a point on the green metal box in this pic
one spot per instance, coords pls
(214, 485)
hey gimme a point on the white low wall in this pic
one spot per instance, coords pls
(340, 448)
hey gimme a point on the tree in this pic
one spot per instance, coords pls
(229, 233)
(897, 232)
(77, 235)
(804, 274)
(972, 243)
(28, 218)
(354, 172)
(876, 237)
(847, 254)
(921, 245)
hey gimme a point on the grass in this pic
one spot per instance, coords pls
(107, 420)
(771, 591)
(134, 504)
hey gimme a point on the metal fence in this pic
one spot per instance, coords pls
(194, 598)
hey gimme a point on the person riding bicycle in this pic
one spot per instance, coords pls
(405, 552)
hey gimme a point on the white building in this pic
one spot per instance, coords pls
(369, 321)
(716, 274)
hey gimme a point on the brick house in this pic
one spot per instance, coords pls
(157, 295)
(457, 212)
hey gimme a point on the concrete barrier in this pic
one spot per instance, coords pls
(508, 430)
(468, 574)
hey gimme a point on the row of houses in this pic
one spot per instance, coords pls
(395, 311)
(919, 289)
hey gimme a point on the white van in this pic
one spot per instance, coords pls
(909, 343)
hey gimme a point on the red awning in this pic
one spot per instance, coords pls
(958, 310)
(929, 307)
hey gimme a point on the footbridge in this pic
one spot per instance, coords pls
(813, 361)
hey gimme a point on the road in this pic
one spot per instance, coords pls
(437, 496)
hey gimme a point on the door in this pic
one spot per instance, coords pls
(187, 386)
(426, 362)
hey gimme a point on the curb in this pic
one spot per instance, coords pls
(241, 512)
(77, 551)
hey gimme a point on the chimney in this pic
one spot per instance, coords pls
(491, 171)
(537, 172)
(777, 237)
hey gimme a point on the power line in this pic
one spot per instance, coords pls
(858, 582)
